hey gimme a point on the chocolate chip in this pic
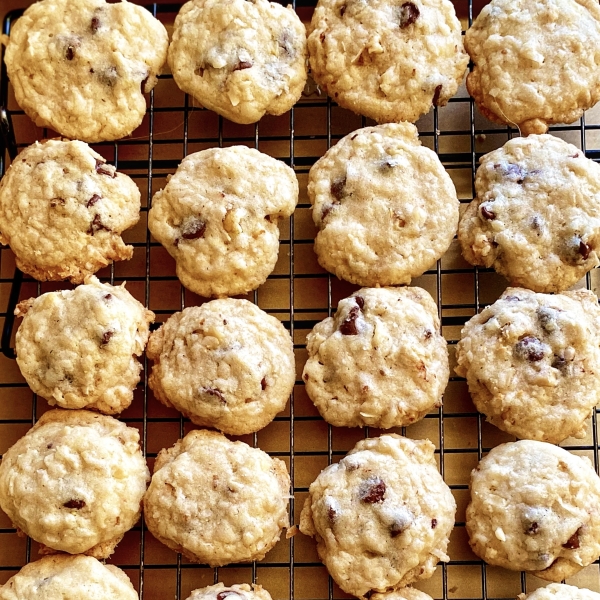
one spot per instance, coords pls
(226, 593)
(348, 326)
(107, 297)
(360, 301)
(573, 542)
(93, 200)
(433, 523)
(532, 529)
(95, 24)
(104, 169)
(409, 13)
(216, 393)
(96, 225)
(263, 383)
(530, 348)
(584, 250)
(76, 504)
(372, 490)
(436, 95)
(342, 10)
(106, 336)
(514, 172)
(50, 445)
(487, 214)
(337, 188)
(547, 317)
(332, 514)
(428, 334)
(326, 210)
(70, 54)
(243, 64)
(559, 363)
(193, 230)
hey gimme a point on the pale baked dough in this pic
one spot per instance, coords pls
(232, 592)
(560, 591)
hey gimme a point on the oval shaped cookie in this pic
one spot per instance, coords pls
(81, 67)
(75, 482)
(379, 361)
(532, 61)
(535, 507)
(560, 591)
(63, 209)
(226, 364)
(532, 363)
(382, 516)
(390, 61)
(78, 348)
(61, 576)
(234, 592)
(385, 207)
(241, 59)
(217, 217)
(216, 501)
(536, 216)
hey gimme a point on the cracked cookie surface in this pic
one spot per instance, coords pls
(535, 507)
(241, 59)
(81, 67)
(382, 516)
(380, 361)
(63, 209)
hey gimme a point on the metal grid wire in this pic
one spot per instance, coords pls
(300, 294)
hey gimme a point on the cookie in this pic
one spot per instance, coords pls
(217, 217)
(241, 59)
(78, 348)
(532, 363)
(216, 501)
(536, 215)
(81, 67)
(61, 577)
(63, 209)
(387, 59)
(226, 364)
(535, 507)
(560, 591)
(381, 516)
(384, 205)
(532, 64)
(74, 482)
(380, 361)
(233, 592)
(407, 593)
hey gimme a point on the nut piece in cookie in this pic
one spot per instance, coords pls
(216, 501)
(385, 207)
(382, 516)
(532, 61)
(78, 348)
(232, 592)
(390, 61)
(63, 209)
(75, 482)
(536, 215)
(226, 364)
(535, 507)
(241, 59)
(379, 361)
(532, 363)
(81, 67)
(63, 576)
(217, 217)
(560, 591)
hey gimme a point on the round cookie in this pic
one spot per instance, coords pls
(241, 59)
(384, 205)
(216, 501)
(78, 348)
(81, 67)
(407, 593)
(226, 364)
(535, 507)
(536, 215)
(560, 591)
(63, 577)
(532, 363)
(217, 217)
(75, 482)
(532, 61)
(63, 209)
(380, 361)
(234, 592)
(381, 516)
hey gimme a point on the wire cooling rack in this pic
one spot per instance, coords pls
(300, 294)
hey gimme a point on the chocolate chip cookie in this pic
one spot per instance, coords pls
(532, 61)
(217, 217)
(216, 501)
(78, 348)
(406, 593)
(384, 205)
(81, 67)
(532, 363)
(389, 60)
(536, 215)
(63, 209)
(241, 59)
(379, 361)
(226, 364)
(560, 591)
(233, 592)
(75, 482)
(535, 507)
(381, 516)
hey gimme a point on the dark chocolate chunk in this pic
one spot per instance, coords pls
(95, 24)
(243, 64)
(487, 214)
(103, 169)
(326, 210)
(337, 188)
(547, 317)
(227, 593)
(216, 393)
(428, 334)
(409, 13)
(532, 529)
(96, 225)
(584, 250)
(436, 95)
(372, 490)
(70, 53)
(348, 326)
(360, 301)
(573, 542)
(93, 200)
(530, 348)
(332, 514)
(194, 229)
(107, 297)
(76, 504)
(433, 523)
(559, 363)
(106, 337)
(263, 383)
